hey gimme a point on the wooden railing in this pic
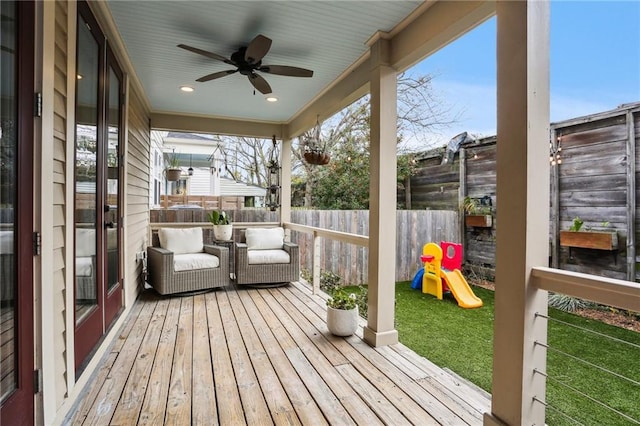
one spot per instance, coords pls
(606, 291)
(207, 202)
(206, 226)
(318, 234)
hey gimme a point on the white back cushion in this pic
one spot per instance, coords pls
(85, 242)
(6, 242)
(264, 238)
(180, 241)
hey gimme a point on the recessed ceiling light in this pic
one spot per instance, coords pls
(186, 88)
(272, 99)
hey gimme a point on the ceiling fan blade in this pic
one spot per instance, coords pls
(259, 83)
(205, 53)
(216, 75)
(256, 50)
(286, 70)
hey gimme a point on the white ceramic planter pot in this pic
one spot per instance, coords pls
(223, 232)
(341, 322)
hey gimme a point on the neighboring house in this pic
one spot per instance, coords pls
(72, 259)
(204, 166)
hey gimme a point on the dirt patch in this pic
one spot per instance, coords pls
(606, 315)
(619, 319)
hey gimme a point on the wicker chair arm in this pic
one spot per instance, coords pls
(221, 252)
(288, 246)
(160, 263)
(294, 252)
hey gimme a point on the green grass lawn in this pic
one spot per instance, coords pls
(461, 340)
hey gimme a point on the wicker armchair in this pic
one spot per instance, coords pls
(250, 269)
(166, 280)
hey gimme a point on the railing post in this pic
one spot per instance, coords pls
(522, 190)
(317, 248)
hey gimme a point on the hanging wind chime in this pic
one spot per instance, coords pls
(314, 150)
(273, 189)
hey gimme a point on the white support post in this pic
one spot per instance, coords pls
(380, 329)
(285, 181)
(522, 214)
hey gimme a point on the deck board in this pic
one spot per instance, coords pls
(155, 402)
(204, 394)
(262, 356)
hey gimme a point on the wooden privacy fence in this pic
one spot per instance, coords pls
(594, 169)
(413, 229)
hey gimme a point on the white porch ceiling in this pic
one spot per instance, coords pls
(324, 36)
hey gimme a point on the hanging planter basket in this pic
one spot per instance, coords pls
(317, 158)
(314, 150)
(173, 174)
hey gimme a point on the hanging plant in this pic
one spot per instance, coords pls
(314, 149)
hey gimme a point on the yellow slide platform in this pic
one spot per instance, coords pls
(460, 289)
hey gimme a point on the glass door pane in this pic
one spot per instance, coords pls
(86, 266)
(8, 197)
(113, 182)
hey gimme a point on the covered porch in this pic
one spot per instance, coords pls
(263, 356)
(250, 355)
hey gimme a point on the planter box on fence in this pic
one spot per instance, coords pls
(479, 221)
(599, 240)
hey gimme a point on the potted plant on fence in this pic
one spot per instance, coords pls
(342, 313)
(592, 239)
(476, 215)
(222, 227)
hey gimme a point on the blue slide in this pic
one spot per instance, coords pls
(416, 284)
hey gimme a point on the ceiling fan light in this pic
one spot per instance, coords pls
(271, 99)
(188, 89)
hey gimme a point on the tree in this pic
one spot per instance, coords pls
(246, 159)
(344, 183)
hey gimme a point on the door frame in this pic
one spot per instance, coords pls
(94, 327)
(20, 405)
(113, 298)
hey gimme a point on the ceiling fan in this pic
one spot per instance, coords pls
(247, 61)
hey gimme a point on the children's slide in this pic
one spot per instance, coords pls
(460, 289)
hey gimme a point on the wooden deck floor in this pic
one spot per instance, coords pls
(263, 356)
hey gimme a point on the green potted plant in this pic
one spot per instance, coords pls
(173, 170)
(476, 215)
(222, 227)
(342, 313)
(575, 236)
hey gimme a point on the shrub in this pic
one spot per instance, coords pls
(342, 299)
(566, 303)
(362, 301)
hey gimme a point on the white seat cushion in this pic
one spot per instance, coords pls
(6, 242)
(262, 257)
(181, 240)
(264, 238)
(191, 261)
(84, 267)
